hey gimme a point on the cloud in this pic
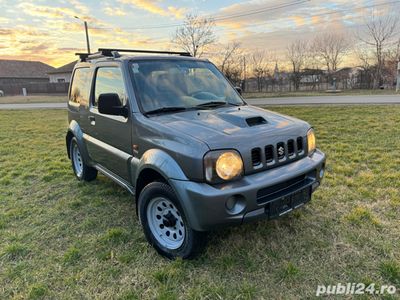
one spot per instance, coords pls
(45, 11)
(114, 11)
(80, 7)
(179, 13)
(154, 7)
(35, 48)
(299, 21)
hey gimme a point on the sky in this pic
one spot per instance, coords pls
(47, 31)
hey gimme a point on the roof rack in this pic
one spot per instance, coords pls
(109, 52)
(102, 52)
(87, 56)
(82, 56)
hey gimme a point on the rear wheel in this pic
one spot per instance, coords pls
(81, 169)
(165, 225)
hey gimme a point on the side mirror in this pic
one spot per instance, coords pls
(238, 89)
(110, 104)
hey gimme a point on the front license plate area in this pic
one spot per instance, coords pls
(286, 204)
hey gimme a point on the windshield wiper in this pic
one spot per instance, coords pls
(212, 104)
(165, 110)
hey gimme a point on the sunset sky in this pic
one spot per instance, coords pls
(47, 30)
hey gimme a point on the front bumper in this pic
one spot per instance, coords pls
(251, 197)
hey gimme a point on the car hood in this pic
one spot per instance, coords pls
(229, 127)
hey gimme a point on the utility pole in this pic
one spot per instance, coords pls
(244, 74)
(86, 32)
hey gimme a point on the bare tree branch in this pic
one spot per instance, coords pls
(380, 33)
(229, 53)
(297, 53)
(195, 34)
(259, 67)
(331, 49)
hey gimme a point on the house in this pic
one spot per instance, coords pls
(23, 72)
(62, 74)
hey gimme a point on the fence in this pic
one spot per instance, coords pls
(35, 88)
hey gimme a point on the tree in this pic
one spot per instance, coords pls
(379, 33)
(229, 55)
(195, 34)
(367, 73)
(331, 48)
(230, 62)
(259, 67)
(297, 53)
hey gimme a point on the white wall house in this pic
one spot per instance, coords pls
(62, 74)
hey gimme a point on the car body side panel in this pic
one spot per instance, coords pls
(186, 151)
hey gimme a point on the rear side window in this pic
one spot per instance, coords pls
(109, 80)
(80, 87)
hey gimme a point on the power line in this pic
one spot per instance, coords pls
(320, 14)
(252, 12)
(216, 19)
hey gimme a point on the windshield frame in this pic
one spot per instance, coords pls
(137, 92)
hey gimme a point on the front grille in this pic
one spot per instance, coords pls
(269, 153)
(256, 156)
(280, 189)
(277, 154)
(300, 147)
(290, 147)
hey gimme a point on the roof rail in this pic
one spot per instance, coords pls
(109, 52)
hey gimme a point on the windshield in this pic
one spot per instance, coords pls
(165, 85)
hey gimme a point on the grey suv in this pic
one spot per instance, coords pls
(176, 134)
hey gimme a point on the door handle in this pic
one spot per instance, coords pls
(92, 120)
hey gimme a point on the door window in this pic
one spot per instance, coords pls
(109, 80)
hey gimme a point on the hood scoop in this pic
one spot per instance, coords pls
(255, 121)
(237, 119)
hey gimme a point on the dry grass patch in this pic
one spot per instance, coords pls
(34, 99)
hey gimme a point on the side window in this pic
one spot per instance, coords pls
(80, 87)
(109, 80)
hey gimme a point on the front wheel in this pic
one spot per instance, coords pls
(165, 225)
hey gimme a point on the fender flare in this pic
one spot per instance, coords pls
(161, 162)
(76, 132)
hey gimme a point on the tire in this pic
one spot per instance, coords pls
(165, 224)
(81, 170)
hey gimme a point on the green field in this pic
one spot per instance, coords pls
(62, 239)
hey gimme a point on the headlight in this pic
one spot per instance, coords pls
(222, 166)
(311, 141)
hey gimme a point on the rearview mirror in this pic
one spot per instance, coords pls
(110, 104)
(238, 89)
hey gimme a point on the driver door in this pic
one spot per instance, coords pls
(110, 136)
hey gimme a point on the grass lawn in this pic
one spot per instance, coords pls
(34, 99)
(62, 239)
(318, 93)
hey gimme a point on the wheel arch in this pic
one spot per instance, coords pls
(156, 165)
(75, 131)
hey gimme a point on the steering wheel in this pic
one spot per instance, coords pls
(204, 95)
